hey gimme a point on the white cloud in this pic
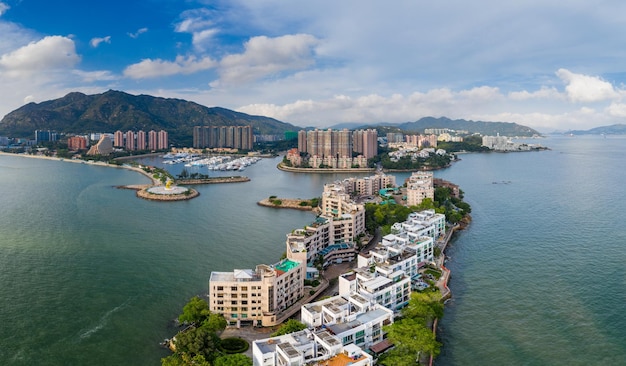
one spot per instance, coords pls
(93, 76)
(617, 110)
(543, 93)
(49, 53)
(585, 88)
(95, 42)
(156, 68)
(199, 23)
(139, 32)
(264, 56)
(3, 8)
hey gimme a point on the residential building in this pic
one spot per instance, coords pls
(389, 289)
(258, 296)
(45, 136)
(234, 137)
(368, 186)
(129, 141)
(385, 273)
(141, 140)
(419, 186)
(307, 347)
(162, 140)
(118, 139)
(332, 235)
(77, 143)
(153, 139)
(352, 319)
(365, 142)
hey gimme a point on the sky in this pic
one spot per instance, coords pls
(550, 65)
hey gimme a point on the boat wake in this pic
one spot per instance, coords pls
(103, 320)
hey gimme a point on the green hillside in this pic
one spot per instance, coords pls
(115, 110)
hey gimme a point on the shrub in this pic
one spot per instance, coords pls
(234, 345)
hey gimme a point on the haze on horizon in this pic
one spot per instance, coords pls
(545, 64)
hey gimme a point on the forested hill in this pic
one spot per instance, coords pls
(116, 110)
(483, 128)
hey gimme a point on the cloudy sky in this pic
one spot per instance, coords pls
(551, 65)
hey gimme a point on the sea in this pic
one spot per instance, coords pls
(92, 275)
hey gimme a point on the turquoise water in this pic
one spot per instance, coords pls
(90, 274)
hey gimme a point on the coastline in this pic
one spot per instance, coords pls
(285, 168)
(155, 182)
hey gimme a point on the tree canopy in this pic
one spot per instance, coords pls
(233, 360)
(289, 326)
(412, 335)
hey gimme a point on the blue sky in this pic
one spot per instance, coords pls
(548, 64)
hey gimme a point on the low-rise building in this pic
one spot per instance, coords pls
(391, 290)
(352, 319)
(257, 296)
(309, 348)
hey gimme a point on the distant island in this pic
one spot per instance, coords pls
(616, 129)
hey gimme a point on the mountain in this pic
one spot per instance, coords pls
(116, 110)
(484, 128)
(617, 129)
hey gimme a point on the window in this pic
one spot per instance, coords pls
(233, 288)
(244, 288)
(220, 288)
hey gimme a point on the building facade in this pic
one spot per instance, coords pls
(234, 137)
(419, 186)
(77, 143)
(257, 296)
(333, 234)
(307, 347)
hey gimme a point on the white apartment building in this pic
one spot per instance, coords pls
(399, 253)
(419, 186)
(422, 223)
(257, 296)
(391, 290)
(352, 319)
(307, 348)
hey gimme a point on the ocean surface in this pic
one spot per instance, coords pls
(92, 275)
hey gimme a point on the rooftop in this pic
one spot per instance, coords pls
(286, 265)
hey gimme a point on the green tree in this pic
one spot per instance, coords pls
(215, 322)
(184, 359)
(198, 341)
(412, 337)
(426, 306)
(233, 360)
(195, 311)
(289, 326)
